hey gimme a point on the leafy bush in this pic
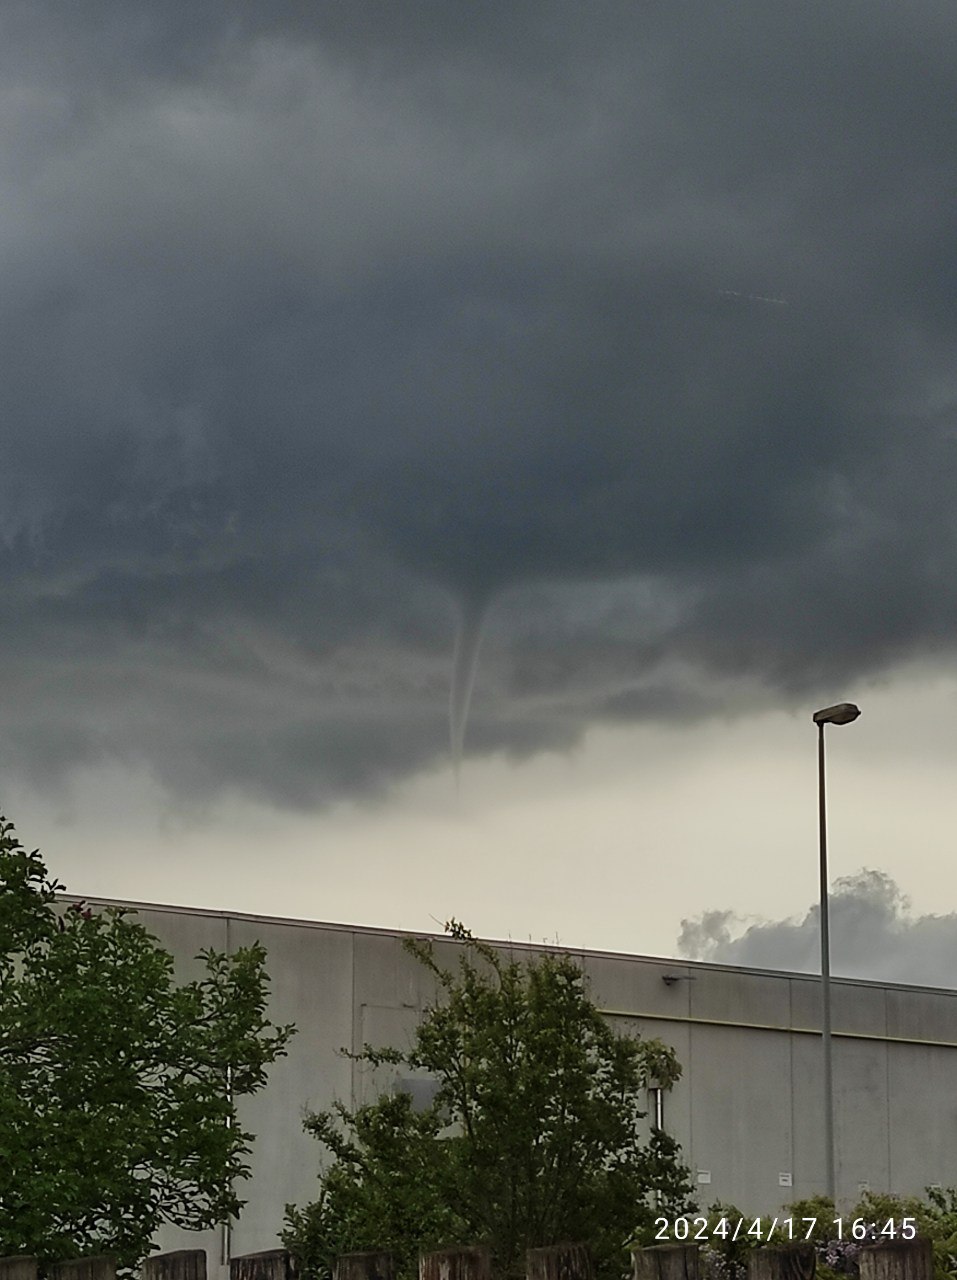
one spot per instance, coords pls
(534, 1136)
(115, 1113)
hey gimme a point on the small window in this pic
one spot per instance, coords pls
(421, 1089)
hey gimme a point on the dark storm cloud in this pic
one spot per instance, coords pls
(633, 323)
(874, 934)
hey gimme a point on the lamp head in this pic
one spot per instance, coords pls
(842, 713)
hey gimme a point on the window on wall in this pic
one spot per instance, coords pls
(421, 1089)
(656, 1107)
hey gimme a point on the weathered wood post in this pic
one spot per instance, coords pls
(99, 1267)
(271, 1264)
(665, 1262)
(559, 1262)
(797, 1261)
(20, 1267)
(898, 1260)
(471, 1263)
(365, 1266)
(181, 1264)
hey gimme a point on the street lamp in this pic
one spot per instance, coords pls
(842, 713)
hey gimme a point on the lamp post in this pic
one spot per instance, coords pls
(842, 713)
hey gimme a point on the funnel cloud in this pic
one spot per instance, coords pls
(319, 320)
(464, 664)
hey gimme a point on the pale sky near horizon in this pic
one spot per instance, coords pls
(619, 337)
(610, 846)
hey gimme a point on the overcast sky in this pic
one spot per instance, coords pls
(602, 353)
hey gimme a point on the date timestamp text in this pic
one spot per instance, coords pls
(727, 1229)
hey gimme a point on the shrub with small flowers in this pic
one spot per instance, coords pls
(844, 1256)
(723, 1257)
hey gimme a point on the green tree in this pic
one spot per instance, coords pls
(534, 1135)
(116, 1085)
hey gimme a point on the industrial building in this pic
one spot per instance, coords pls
(747, 1111)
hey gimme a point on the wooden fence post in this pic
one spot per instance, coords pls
(471, 1263)
(665, 1262)
(364, 1266)
(898, 1260)
(99, 1267)
(797, 1261)
(271, 1264)
(20, 1267)
(181, 1264)
(559, 1262)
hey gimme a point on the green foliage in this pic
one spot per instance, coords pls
(533, 1136)
(819, 1208)
(385, 1189)
(115, 1108)
(938, 1221)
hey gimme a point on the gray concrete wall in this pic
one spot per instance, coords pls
(746, 1111)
